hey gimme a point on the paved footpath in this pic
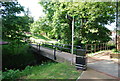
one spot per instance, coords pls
(101, 69)
(105, 66)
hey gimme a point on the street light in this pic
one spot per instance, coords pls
(72, 18)
(72, 51)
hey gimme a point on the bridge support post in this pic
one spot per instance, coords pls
(54, 53)
(39, 46)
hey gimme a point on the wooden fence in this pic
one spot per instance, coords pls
(96, 47)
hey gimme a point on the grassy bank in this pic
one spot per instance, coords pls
(41, 38)
(44, 71)
(16, 56)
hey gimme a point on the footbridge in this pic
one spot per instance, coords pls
(61, 53)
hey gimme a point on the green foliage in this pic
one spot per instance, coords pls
(44, 71)
(37, 36)
(15, 47)
(118, 32)
(16, 55)
(114, 51)
(13, 26)
(90, 21)
(111, 45)
(10, 74)
(42, 26)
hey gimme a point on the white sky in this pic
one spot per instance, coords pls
(111, 26)
(36, 9)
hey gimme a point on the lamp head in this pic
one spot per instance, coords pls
(69, 17)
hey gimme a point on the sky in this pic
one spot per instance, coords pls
(37, 10)
(112, 26)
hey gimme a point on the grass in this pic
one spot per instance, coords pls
(114, 51)
(40, 38)
(45, 71)
(55, 71)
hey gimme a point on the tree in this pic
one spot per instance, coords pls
(13, 26)
(90, 18)
(41, 26)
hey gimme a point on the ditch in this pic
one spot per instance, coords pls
(21, 60)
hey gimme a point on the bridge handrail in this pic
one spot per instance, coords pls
(69, 45)
(53, 45)
(59, 47)
(56, 47)
(60, 44)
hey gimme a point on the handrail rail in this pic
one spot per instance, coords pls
(70, 45)
(77, 51)
(54, 45)
(62, 44)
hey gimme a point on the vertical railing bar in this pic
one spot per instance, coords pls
(39, 46)
(54, 52)
(91, 48)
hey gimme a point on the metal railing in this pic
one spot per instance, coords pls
(80, 62)
(59, 47)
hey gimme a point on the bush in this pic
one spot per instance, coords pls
(15, 56)
(114, 51)
(111, 44)
(11, 74)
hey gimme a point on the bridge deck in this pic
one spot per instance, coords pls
(60, 56)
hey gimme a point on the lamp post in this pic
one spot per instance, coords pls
(72, 39)
(72, 50)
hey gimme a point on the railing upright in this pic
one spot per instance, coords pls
(94, 47)
(39, 46)
(54, 52)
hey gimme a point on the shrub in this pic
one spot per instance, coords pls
(11, 74)
(15, 56)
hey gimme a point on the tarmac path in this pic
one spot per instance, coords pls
(101, 68)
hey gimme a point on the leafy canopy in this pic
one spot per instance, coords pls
(90, 21)
(14, 26)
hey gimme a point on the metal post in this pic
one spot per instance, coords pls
(94, 47)
(39, 46)
(91, 47)
(86, 48)
(54, 53)
(72, 39)
(105, 46)
(116, 21)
